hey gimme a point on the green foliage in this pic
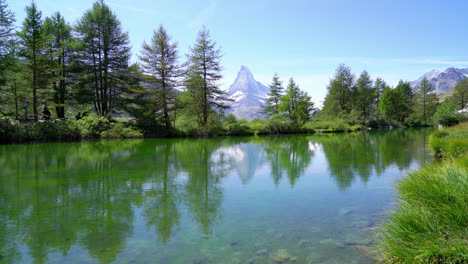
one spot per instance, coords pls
(159, 63)
(104, 54)
(330, 126)
(274, 97)
(59, 41)
(460, 94)
(364, 96)
(7, 18)
(392, 105)
(338, 101)
(204, 73)
(33, 52)
(92, 126)
(446, 115)
(425, 103)
(296, 105)
(38, 131)
(235, 127)
(120, 130)
(451, 142)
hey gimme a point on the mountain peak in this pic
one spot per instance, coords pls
(442, 81)
(244, 68)
(249, 95)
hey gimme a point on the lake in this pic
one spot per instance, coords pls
(268, 199)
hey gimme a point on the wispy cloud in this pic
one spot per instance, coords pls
(204, 14)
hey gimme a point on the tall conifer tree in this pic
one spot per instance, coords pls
(159, 64)
(104, 56)
(204, 73)
(274, 97)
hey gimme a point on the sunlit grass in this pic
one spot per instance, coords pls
(430, 224)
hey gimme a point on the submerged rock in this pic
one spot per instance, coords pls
(332, 242)
(355, 239)
(368, 251)
(304, 243)
(345, 211)
(281, 256)
(252, 260)
(362, 224)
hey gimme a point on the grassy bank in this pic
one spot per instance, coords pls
(430, 224)
(91, 127)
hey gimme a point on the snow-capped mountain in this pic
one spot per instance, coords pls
(443, 81)
(249, 96)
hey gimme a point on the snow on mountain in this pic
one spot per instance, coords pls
(443, 81)
(249, 96)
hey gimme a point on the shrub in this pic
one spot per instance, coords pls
(446, 115)
(119, 130)
(451, 142)
(92, 126)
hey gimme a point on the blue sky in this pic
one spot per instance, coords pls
(306, 40)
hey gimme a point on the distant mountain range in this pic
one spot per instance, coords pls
(249, 96)
(443, 81)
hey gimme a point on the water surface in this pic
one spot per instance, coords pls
(284, 199)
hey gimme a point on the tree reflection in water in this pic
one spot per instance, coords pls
(57, 195)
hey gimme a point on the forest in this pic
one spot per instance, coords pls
(78, 80)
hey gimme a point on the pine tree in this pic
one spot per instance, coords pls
(33, 50)
(59, 38)
(365, 95)
(426, 100)
(296, 104)
(104, 56)
(408, 95)
(204, 72)
(159, 64)
(339, 97)
(7, 18)
(460, 94)
(274, 97)
(379, 87)
(13, 92)
(391, 104)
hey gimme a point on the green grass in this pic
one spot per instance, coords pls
(330, 126)
(430, 223)
(451, 142)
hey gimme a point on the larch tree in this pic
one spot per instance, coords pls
(104, 54)
(460, 94)
(296, 104)
(160, 68)
(339, 97)
(365, 95)
(33, 47)
(426, 99)
(7, 18)
(408, 95)
(59, 36)
(274, 97)
(379, 86)
(204, 73)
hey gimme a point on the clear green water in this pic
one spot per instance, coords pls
(309, 198)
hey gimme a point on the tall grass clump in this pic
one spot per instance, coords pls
(430, 223)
